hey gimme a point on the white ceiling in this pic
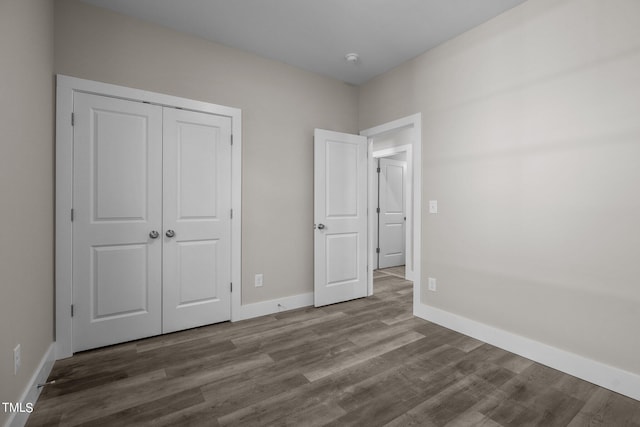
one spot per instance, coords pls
(316, 34)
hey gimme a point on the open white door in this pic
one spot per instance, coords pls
(392, 216)
(340, 210)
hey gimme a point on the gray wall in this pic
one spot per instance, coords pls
(280, 105)
(531, 143)
(26, 189)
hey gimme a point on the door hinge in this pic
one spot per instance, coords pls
(231, 213)
(378, 170)
(72, 215)
(377, 210)
(71, 310)
(73, 119)
(231, 287)
(377, 250)
(231, 139)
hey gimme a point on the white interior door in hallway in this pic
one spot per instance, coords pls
(391, 212)
(151, 226)
(340, 211)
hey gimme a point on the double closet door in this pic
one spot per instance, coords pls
(151, 220)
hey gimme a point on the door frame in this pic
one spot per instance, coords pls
(414, 215)
(65, 88)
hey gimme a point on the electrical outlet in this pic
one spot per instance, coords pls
(433, 206)
(16, 359)
(432, 284)
(258, 281)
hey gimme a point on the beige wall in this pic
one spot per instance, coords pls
(26, 189)
(280, 105)
(531, 145)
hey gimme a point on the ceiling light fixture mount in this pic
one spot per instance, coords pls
(352, 57)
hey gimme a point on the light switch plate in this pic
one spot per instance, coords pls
(433, 206)
(432, 284)
(258, 280)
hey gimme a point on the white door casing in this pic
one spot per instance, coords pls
(340, 211)
(392, 214)
(117, 203)
(413, 198)
(197, 206)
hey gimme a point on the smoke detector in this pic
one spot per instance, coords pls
(352, 57)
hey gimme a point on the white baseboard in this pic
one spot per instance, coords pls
(32, 392)
(595, 372)
(263, 308)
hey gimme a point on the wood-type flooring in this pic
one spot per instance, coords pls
(366, 362)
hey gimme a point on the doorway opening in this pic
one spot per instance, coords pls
(399, 140)
(390, 234)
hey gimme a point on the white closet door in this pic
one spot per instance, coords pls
(197, 224)
(117, 204)
(392, 213)
(340, 199)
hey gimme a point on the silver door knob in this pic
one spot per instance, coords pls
(170, 233)
(154, 234)
(320, 226)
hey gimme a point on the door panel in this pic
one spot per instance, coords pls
(117, 203)
(341, 179)
(197, 206)
(198, 266)
(197, 150)
(342, 258)
(120, 149)
(340, 196)
(120, 281)
(392, 193)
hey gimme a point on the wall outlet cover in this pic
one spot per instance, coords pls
(432, 284)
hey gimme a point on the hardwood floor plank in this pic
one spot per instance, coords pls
(365, 339)
(45, 418)
(215, 368)
(346, 360)
(177, 355)
(300, 327)
(194, 416)
(306, 353)
(575, 387)
(227, 399)
(146, 412)
(472, 418)
(448, 404)
(605, 408)
(308, 395)
(80, 406)
(317, 415)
